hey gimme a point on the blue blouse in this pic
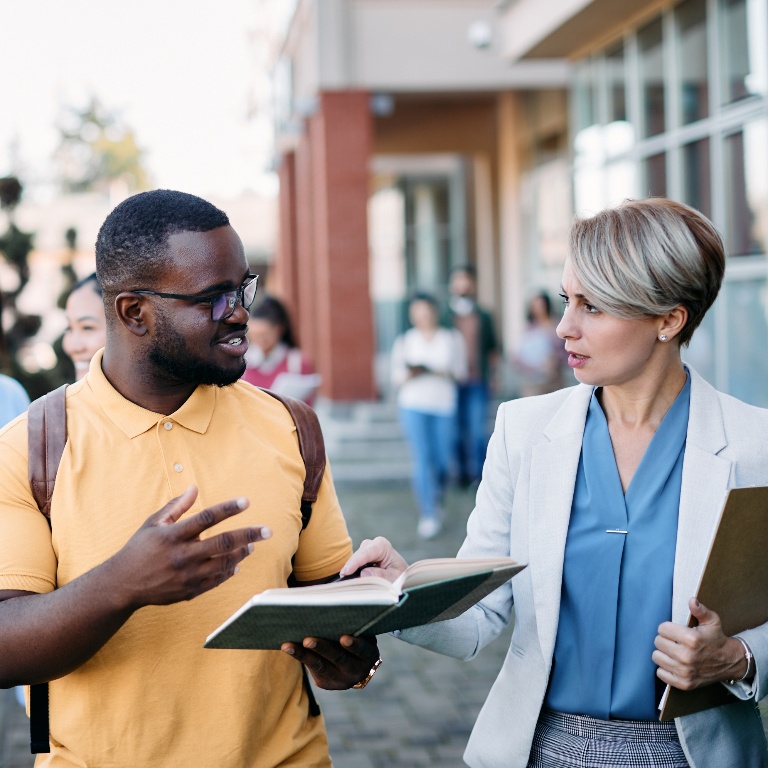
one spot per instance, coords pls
(617, 573)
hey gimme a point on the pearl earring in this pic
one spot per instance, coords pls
(663, 337)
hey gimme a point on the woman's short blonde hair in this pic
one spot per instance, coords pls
(646, 257)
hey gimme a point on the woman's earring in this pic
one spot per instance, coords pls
(663, 337)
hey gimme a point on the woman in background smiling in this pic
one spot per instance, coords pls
(86, 331)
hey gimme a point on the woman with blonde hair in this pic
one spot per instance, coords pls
(611, 491)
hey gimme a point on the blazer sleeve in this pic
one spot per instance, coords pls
(488, 535)
(746, 427)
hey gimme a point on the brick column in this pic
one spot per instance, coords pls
(286, 269)
(340, 138)
(304, 308)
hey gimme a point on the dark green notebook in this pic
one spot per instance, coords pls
(429, 590)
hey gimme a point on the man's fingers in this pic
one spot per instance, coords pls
(210, 516)
(175, 508)
(231, 540)
(362, 647)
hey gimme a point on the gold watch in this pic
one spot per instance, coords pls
(367, 680)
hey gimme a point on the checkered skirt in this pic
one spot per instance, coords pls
(578, 741)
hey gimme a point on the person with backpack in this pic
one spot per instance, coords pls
(176, 499)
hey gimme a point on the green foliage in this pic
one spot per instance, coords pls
(10, 192)
(96, 149)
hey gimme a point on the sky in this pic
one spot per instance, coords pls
(180, 73)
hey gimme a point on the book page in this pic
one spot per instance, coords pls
(442, 568)
(371, 590)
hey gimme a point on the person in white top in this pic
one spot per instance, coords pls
(427, 363)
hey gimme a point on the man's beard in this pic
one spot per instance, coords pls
(171, 356)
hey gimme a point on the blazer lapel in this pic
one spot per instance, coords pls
(554, 464)
(706, 479)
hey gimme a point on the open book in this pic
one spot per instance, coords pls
(734, 585)
(427, 591)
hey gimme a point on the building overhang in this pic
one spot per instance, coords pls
(567, 26)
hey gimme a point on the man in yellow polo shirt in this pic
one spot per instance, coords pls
(177, 499)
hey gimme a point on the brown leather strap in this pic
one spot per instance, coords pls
(311, 446)
(47, 436)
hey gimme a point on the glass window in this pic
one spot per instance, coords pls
(617, 89)
(697, 183)
(655, 175)
(700, 353)
(584, 102)
(746, 160)
(691, 18)
(747, 302)
(652, 78)
(742, 43)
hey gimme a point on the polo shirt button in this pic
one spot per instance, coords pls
(178, 467)
(168, 425)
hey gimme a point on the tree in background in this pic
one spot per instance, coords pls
(15, 245)
(98, 150)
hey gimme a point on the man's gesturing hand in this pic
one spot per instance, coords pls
(166, 561)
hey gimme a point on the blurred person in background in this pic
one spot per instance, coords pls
(612, 492)
(86, 331)
(538, 363)
(274, 360)
(428, 362)
(13, 399)
(475, 325)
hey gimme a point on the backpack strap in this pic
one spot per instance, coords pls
(46, 436)
(312, 448)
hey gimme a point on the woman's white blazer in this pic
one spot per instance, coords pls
(522, 511)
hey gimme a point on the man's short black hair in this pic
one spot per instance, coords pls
(131, 244)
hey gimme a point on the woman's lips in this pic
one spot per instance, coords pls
(576, 361)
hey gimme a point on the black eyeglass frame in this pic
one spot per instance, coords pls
(232, 297)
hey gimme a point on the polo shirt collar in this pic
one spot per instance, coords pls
(195, 414)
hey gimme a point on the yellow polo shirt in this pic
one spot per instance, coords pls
(153, 696)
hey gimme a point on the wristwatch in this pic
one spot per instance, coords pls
(367, 680)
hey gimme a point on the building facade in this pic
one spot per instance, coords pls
(414, 136)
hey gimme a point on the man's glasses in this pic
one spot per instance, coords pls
(223, 304)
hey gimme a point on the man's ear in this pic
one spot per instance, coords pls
(131, 310)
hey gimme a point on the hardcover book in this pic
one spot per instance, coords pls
(427, 591)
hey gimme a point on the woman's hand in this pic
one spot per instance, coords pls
(389, 563)
(690, 657)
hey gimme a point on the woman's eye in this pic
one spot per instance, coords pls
(591, 309)
(565, 299)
